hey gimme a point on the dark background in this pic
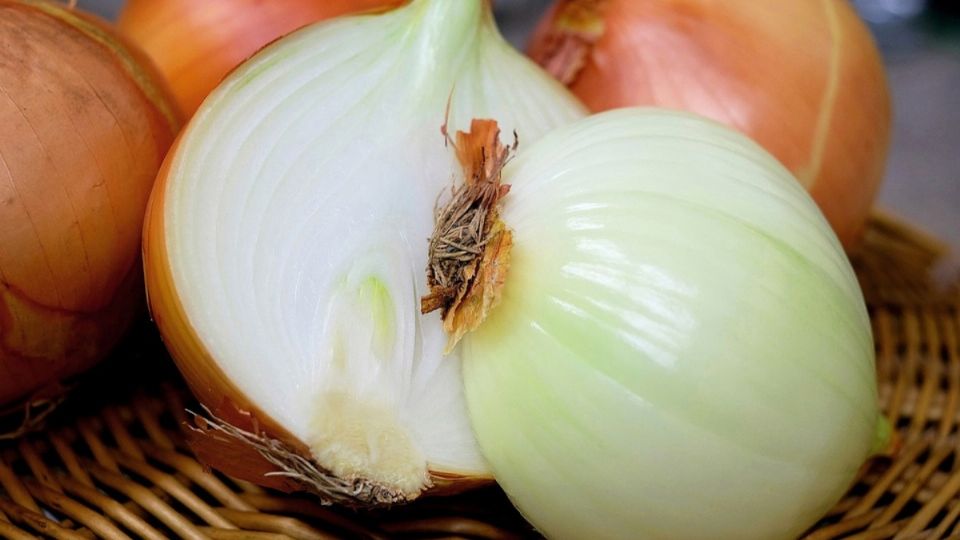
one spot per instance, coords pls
(920, 41)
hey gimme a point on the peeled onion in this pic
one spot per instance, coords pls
(801, 77)
(196, 43)
(286, 240)
(681, 349)
(85, 126)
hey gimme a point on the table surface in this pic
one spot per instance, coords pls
(922, 53)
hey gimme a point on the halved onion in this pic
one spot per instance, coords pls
(85, 125)
(286, 242)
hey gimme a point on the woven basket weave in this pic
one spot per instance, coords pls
(112, 462)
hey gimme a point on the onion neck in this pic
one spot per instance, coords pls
(573, 30)
(444, 31)
(885, 441)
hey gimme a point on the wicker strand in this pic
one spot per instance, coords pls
(111, 508)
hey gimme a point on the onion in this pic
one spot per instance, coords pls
(801, 77)
(681, 349)
(196, 43)
(286, 239)
(85, 127)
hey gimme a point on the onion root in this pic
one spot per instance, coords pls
(469, 251)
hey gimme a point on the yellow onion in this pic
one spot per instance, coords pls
(801, 77)
(195, 43)
(85, 128)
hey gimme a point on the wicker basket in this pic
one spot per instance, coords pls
(112, 462)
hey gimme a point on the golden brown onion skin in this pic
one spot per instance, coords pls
(85, 126)
(196, 43)
(801, 77)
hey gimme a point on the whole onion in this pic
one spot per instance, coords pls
(801, 77)
(85, 126)
(195, 43)
(682, 349)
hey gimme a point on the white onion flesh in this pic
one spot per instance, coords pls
(297, 213)
(682, 349)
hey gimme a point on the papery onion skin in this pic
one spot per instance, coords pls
(195, 44)
(86, 123)
(682, 349)
(382, 96)
(801, 77)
